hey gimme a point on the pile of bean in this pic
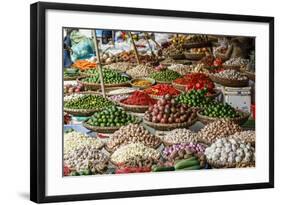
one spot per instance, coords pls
(173, 50)
(199, 68)
(231, 74)
(73, 140)
(109, 77)
(88, 102)
(119, 66)
(237, 61)
(86, 160)
(218, 129)
(133, 150)
(165, 75)
(230, 151)
(248, 136)
(139, 161)
(180, 68)
(177, 136)
(140, 71)
(111, 117)
(132, 133)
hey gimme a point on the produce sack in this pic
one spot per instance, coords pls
(82, 46)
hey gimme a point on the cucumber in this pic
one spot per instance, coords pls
(186, 163)
(190, 158)
(195, 167)
(163, 169)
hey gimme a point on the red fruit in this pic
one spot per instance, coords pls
(198, 86)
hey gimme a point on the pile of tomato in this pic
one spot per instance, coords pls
(196, 81)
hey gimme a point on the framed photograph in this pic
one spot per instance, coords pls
(129, 102)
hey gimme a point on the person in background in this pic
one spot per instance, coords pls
(106, 36)
(238, 47)
(67, 49)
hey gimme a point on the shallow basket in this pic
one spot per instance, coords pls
(152, 81)
(158, 97)
(232, 67)
(194, 56)
(110, 150)
(230, 165)
(168, 127)
(196, 45)
(96, 86)
(229, 82)
(250, 75)
(134, 108)
(177, 56)
(80, 112)
(238, 120)
(99, 129)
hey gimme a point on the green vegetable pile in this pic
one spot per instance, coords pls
(220, 110)
(88, 102)
(194, 98)
(111, 117)
(165, 75)
(109, 77)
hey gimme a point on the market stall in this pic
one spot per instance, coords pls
(142, 105)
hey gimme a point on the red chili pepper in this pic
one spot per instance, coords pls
(162, 89)
(66, 171)
(132, 170)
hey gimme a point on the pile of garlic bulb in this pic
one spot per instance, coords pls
(232, 151)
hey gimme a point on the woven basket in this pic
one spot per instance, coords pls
(233, 67)
(80, 112)
(250, 75)
(168, 127)
(230, 165)
(177, 56)
(105, 129)
(134, 108)
(72, 77)
(194, 56)
(238, 120)
(158, 97)
(96, 86)
(229, 82)
(163, 82)
(142, 87)
(196, 45)
(110, 150)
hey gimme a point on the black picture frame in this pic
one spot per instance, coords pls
(38, 100)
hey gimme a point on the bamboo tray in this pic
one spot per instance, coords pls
(110, 150)
(80, 112)
(229, 82)
(96, 86)
(99, 129)
(233, 67)
(230, 165)
(194, 56)
(168, 127)
(134, 108)
(238, 120)
(197, 45)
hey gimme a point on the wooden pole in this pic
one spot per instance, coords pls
(99, 61)
(134, 47)
(147, 40)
